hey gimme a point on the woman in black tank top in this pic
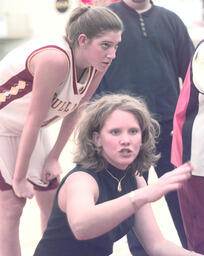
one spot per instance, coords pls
(98, 201)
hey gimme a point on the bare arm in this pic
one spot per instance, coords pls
(149, 234)
(50, 68)
(88, 220)
(67, 127)
(69, 122)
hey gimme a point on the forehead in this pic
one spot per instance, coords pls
(112, 36)
(120, 117)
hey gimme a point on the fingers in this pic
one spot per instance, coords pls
(172, 187)
(28, 195)
(187, 167)
(24, 191)
(174, 180)
(46, 177)
(184, 171)
(25, 194)
(178, 176)
(50, 176)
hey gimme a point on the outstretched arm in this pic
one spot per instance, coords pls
(88, 220)
(146, 227)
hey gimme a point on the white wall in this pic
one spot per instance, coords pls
(42, 16)
(44, 19)
(34, 18)
(21, 20)
(190, 11)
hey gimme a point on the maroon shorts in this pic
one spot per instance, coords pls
(191, 199)
(52, 185)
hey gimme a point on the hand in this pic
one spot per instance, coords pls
(51, 170)
(169, 181)
(23, 188)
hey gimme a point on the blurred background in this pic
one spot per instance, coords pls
(23, 20)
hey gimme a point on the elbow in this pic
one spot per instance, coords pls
(79, 235)
(80, 232)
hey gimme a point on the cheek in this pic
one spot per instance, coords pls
(138, 142)
(97, 54)
(108, 145)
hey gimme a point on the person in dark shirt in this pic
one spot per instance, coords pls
(154, 53)
(105, 195)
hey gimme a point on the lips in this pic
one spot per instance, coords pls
(106, 63)
(125, 151)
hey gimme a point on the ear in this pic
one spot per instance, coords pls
(82, 39)
(97, 139)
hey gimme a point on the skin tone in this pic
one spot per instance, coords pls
(138, 5)
(120, 144)
(50, 69)
(99, 52)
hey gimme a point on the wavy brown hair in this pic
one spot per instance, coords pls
(92, 120)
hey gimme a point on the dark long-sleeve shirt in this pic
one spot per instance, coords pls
(155, 51)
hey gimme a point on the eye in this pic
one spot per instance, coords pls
(105, 45)
(133, 131)
(115, 132)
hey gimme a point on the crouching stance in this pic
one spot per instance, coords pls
(105, 195)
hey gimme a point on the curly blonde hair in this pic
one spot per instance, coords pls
(93, 119)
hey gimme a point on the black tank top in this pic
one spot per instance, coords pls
(58, 239)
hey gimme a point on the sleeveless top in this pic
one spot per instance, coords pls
(16, 82)
(188, 132)
(58, 238)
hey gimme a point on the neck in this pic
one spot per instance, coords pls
(138, 6)
(79, 64)
(117, 179)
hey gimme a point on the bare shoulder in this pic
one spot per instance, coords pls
(82, 183)
(54, 59)
(80, 177)
(77, 184)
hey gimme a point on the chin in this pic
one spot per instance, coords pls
(123, 166)
(102, 68)
(138, 1)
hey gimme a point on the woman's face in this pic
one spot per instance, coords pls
(120, 139)
(100, 51)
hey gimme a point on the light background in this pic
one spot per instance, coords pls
(24, 19)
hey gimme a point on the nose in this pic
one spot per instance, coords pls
(124, 139)
(112, 54)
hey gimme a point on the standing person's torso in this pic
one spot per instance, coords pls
(150, 58)
(16, 81)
